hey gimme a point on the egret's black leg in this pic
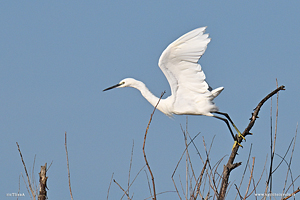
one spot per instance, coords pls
(227, 116)
(226, 121)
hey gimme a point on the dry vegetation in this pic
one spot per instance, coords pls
(210, 180)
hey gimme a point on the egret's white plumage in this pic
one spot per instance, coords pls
(191, 95)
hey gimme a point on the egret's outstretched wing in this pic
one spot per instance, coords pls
(179, 62)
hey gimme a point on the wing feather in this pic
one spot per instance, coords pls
(179, 62)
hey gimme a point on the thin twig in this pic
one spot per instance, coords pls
(192, 141)
(68, 166)
(121, 188)
(109, 186)
(19, 187)
(212, 179)
(176, 188)
(199, 181)
(186, 147)
(49, 165)
(251, 175)
(289, 165)
(148, 183)
(268, 184)
(238, 191)
(148, 166)
(293, 194)
(160, 194)
(186, 166)
(27, 187)
(255, 186)
(283, 158)
(212, 176)
(28, 179)
(269, 181)
(182, 188)
(32, 175)
(292, 183)
(216, 166)
(186, 163)
(134, 179)
(190, 161)
(130, 165)
(183, 154)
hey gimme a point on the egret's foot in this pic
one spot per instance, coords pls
(236, 143)
(240, 135)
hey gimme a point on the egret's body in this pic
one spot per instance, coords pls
(191, 95)
(191, 104)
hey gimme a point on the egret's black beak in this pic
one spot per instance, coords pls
(112, 87)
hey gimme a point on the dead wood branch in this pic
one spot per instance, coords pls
(230, 164)
(43, 183)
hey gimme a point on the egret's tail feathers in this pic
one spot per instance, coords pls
(217, 91)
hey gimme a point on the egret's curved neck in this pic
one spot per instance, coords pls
(162, 106)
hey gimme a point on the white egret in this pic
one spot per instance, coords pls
(191, 95)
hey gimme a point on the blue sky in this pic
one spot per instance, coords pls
(56, 58)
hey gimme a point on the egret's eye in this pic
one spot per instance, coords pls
(123, 82)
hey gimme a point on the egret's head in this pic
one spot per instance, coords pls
(127, 82)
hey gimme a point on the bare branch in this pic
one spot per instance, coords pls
(293, 194)
(238, 188)
(160, 194)
(148, 166)
(26, 186)
(230, 165)
(109, 186)
(192, 140)
(238, 191)
(289, 165)
(19, 187)
(130, 165)
(283, 158)
(176, 188)
(68, 166)
(182, 188)
(255, 186)
(134, 179)
(199, 181)
(148, 183)
(122, 189)
(28, 179)
(32, 175)
(293, 182)
(251, 175)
